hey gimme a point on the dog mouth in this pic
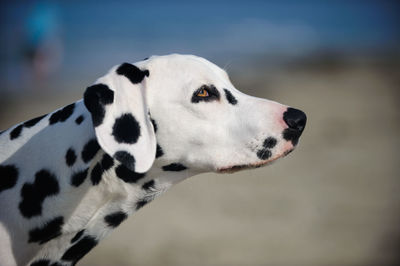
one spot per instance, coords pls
(236, 168)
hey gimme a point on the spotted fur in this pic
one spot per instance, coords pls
(62, 115)
(67, 179)
(51, 229)
(16, 132)
(34, 194)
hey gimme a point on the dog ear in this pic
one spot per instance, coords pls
(117, 104)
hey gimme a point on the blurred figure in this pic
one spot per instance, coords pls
(42, 45)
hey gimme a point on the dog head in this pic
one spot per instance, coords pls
(183, 109)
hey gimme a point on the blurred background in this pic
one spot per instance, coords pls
(334, 201)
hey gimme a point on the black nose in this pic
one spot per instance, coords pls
(295, 119)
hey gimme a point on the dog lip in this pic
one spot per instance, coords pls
(236, 168)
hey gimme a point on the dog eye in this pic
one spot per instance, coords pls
(203, 92)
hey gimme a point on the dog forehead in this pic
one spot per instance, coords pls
(190, 66)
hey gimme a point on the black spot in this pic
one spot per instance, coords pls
(126, 129)
(40, 262)
(79, 119)
(107, 162)
(95, 98)
(264, 154)
(127, 175)
(154, 125)
(44, 262)
(70, 157)
(126, 159)
(78, 178)
(8, 176)
(79, 249)
(141, 203)
(148, 185)
(1, 132)
(159, 151)
(16, 132)
(51, 229)
(77, 236)
(132, 72)
(269, 142)
(89, 150)
(96, 174)
(231, 99)
(34, 121)
(115, 219)
(34, 194)
(175, 167)
(291, 135)
(62, 115)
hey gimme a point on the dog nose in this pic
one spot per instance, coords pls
(295, 119)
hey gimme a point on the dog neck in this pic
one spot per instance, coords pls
(138, 190)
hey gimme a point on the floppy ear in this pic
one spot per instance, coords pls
(117, 103)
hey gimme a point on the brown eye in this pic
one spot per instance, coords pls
(202, 93)
(205, 93)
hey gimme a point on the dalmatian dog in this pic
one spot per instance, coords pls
(68, 178)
